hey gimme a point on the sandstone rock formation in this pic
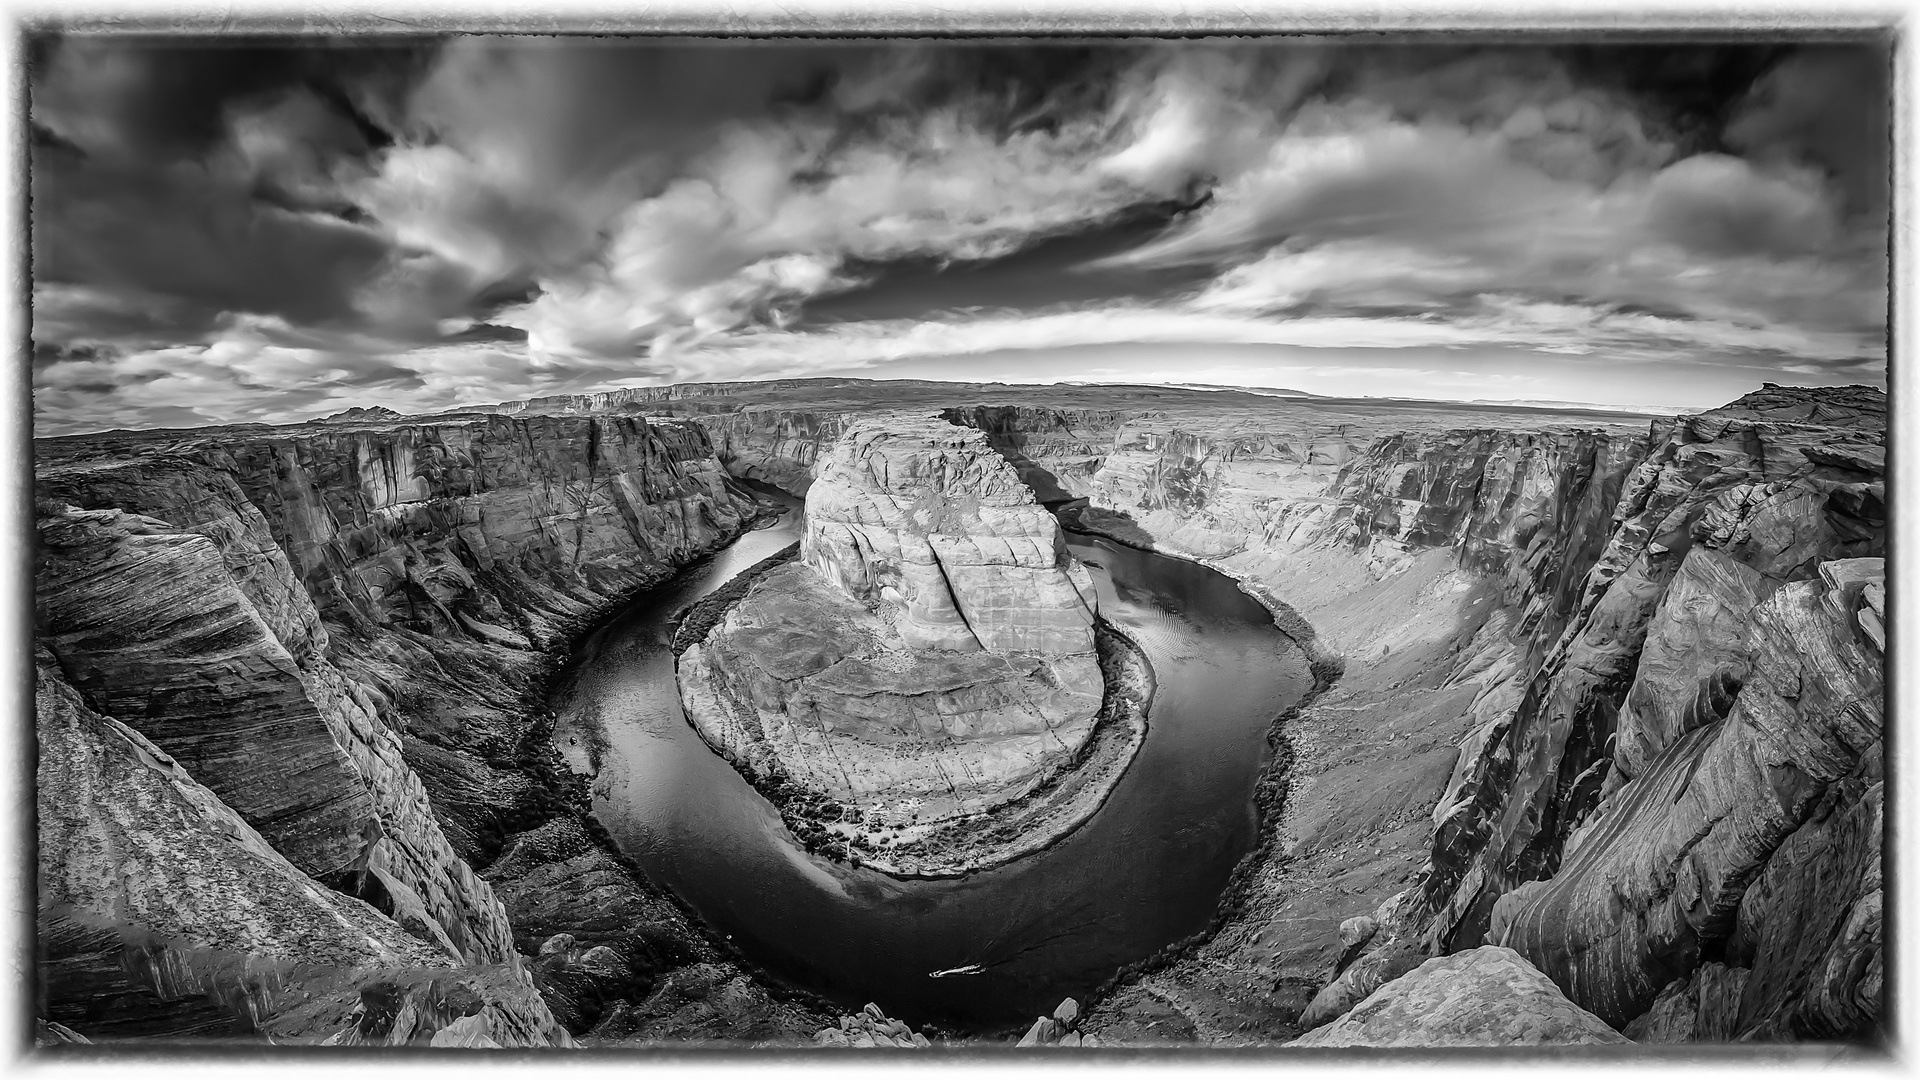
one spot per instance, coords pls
(924, 517)
(1539, 613)
(163, 912)
(1679, 845)
(801, 682)
(930, 658)
(1734, 482)
(1611, 692)
(297, 616)
(1487, 996)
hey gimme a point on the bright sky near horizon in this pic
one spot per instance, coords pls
(273, 230)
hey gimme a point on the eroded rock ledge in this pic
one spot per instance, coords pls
(327, 643)
(931, 660)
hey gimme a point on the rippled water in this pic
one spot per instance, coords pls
(1145, 871)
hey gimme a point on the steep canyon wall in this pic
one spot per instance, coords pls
(338, 634)
(1644, 659)
(1612, 700)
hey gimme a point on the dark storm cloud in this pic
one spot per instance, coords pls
(479, 218)
(1828, 106)
(655, 190)
(1504, 181)
(190, 232)
(183, 180)
(1045, 273)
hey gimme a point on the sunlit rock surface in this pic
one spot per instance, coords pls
(925, 518)
(931, 657)
(162, 912)
(1483, 997)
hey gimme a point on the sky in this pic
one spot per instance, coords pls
(270, 230)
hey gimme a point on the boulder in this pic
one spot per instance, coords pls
(871, 1027)
(1488, 996)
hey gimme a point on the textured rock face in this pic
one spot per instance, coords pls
(155, 628)
(274, 608)
(1488, 996)
(1810, 929)
(801, 682)
(1661, 869)
(1763, 690)
(775, 446)
(1570, 645)
(148, 622)
(1735, 481)
(161, 911)
(1608, 633)
(931, 657)
(926, 518)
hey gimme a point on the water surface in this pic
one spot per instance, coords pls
(1145, 871)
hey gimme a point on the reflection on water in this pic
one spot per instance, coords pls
(1010, 942)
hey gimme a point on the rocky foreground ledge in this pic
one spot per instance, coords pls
(929, 686)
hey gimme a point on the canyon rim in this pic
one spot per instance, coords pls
(1068, 545)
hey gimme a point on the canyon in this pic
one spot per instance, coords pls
(1594, 733)
(929, 660)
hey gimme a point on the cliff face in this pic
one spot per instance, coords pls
(1720, 676)
(299, 617)
(775, 446)
(1612, 693)
(1667, 863)
(925, 518)
(1754, 496)
(162, 911)
(1540, 627)
(930, 658)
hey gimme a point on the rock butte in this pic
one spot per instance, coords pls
(930, 657)
(1611, 710)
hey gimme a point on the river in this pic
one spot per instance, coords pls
(1145, 871)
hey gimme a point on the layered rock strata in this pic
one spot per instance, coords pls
(312, 622)
(1534, 616)
(931, 657)
(925, 520)
(162, 911)
(1679, 846)
(1593, 668)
